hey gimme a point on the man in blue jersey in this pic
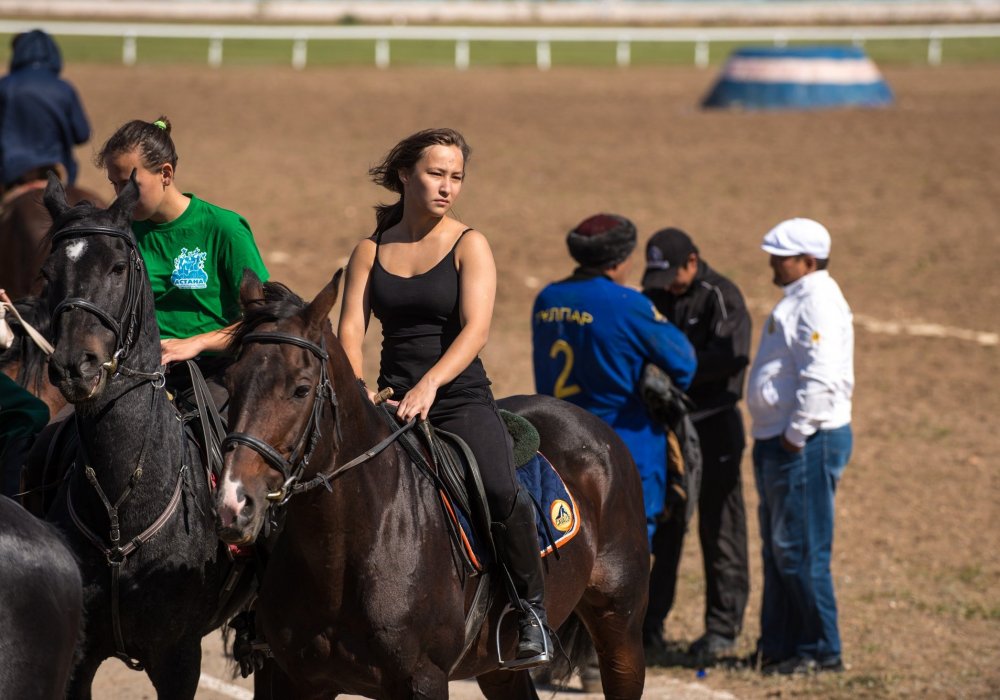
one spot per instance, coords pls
(591, 337)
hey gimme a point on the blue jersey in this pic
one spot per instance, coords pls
(591, 339)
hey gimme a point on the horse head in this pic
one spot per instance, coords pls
(281, 384)
(95, 287)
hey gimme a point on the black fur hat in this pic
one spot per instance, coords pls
(602, 241)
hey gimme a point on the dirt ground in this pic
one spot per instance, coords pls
(911, 195)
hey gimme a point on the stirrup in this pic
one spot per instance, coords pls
(516, 664)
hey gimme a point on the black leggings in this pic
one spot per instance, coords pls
(472, 415)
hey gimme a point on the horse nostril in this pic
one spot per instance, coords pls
(248, 508)
(88, 363)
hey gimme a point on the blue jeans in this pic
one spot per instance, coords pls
(798, 616)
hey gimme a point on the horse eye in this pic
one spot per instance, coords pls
(302, 391)
(119, 268)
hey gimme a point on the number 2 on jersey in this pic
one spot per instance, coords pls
(563, 390)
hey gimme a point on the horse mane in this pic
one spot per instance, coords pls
(35, 311)
(279, 302)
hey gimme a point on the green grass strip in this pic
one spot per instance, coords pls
(236, 52)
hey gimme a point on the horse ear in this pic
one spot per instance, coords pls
(55, 197)
(251, 289)
(125, 202)
(319, 308)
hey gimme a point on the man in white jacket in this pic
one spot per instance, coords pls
(799, 397)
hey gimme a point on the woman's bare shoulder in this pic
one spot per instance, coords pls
(364, 252)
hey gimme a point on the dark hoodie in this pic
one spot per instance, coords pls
(41, 117)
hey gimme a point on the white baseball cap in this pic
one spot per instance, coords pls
(798, 237)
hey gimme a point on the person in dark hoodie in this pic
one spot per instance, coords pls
(41, 116)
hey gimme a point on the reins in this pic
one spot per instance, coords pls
(292, 469)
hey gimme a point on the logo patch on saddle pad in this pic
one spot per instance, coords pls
(189, 270)
(561, 515)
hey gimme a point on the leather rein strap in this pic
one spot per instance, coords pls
(292, 468)
(116, 554)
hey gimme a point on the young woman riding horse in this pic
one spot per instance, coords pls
(194, 251)
(364, 592)
(431, 281)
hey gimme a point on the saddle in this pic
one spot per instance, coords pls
(452, 466)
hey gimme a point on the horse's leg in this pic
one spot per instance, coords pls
(175, 672)
(271, 683)
(617, 634)
(82, 679)
(432, 684)
(507, 685)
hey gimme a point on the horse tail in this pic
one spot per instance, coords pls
(576, 649)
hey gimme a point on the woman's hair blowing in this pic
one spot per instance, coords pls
(404, 156)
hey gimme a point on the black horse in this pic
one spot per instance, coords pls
(362, 593)
(136, 506)
(40, 607)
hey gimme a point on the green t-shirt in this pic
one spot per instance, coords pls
(195, 265)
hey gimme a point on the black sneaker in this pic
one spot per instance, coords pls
(709, 647)
(803, 666)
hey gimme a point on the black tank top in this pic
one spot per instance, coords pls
(420, 320)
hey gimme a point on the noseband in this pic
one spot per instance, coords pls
(293, 467)
(125, 327)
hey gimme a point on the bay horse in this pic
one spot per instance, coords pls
(40, 606)
(136, 506)
(24, 225)
(362, 593)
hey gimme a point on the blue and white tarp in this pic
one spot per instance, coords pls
(800, 77)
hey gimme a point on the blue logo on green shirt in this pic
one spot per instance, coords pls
(189, 270)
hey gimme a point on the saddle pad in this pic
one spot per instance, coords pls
(557, 524)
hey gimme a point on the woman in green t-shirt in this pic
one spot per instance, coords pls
(195, 252)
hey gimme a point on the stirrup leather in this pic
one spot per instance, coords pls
(532, 661)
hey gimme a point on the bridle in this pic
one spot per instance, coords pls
(125, 327)
(293, 468)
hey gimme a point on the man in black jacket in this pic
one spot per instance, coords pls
(710, 310)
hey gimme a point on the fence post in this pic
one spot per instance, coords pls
(701, 52)
(623, 54)
(129, 51)
(543, 54)
(215, 51)
(382, 53)
(462, 54)
(299, 53)
(934, 50)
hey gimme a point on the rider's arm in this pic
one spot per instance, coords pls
(355, 311)
(180, 349)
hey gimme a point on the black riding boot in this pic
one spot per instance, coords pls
(12, 462)
(517, 543)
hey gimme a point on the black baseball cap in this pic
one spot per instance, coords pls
(666, 251)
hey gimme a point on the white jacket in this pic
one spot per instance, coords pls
(803, 376)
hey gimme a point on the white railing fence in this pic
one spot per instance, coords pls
(542, 37)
